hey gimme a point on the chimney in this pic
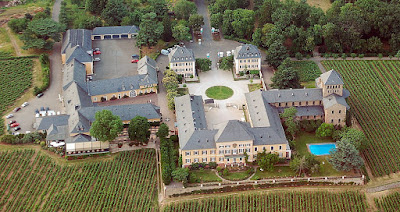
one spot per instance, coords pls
(306, 94)
(292, 94)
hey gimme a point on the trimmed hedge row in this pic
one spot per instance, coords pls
(45, 61)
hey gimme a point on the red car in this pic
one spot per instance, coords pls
(97, 52)
(134, 61)
(15, 125)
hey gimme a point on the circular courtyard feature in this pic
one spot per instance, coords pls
(219, 92)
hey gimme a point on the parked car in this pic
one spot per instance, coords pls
(17, 109)
(47, 109)
(164, 52)
(135, 56)
(97, 52)
(17, 128)
(14, 125)
(15, 133)
(36, 111)
(96, 49)
(39, 95)
(12, 122)
(9, 116)
(24, 104)
(97, 59)
(41, 108)
(134, 61)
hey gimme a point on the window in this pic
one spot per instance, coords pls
(280, 147)
(196, 152)
(227, 151)
(221, 152)
(228, 146)
(333, 112)
(95, 99)
(221, 146)
(241, 150)
(340, 111)
(204, 152)
(240, 145)
(204, 160)
(241, 159)
(263, 148)
(299, 103)
(187, 153)
(234, 151)
(286, 103)
(272, 148)
(279, 104)
(331, 120)
(255, 149)
(212, 159)
(338, 121)
(196, 160)
(248, 150)
(227, 159)
(248, 144)
(212, 152)
(187, 160)
(221, 159)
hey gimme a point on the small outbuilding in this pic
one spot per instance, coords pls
(115, 32)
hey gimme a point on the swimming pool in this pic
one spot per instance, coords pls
(321, 149)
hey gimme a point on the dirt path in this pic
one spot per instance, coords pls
(13, 42)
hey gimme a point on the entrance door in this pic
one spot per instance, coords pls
(132, 93)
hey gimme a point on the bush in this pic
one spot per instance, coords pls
(225, 172)
(197, 166)
(113, 98)
(184, 85)
(335, 56)
(219, 169)
(18, 25)
(42, 143)
(131, 144)
(174, 138)
(344, 56)
(45, 61)
(361, 55)
(380, 55)
(299, 56)
(212, 165)
(353, 55)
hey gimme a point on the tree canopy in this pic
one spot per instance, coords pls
(346, 156)
(286, 78)
(41, 34)
(114, 11)
(226, 63)
(181, 175)
(139, 129)
(203, 64)
(196, 21)
(150, 30)
(181, 32)
(163, 131)
(106, 126)
(184, 9)
(305, 164)
(266, 161)
(325, 130)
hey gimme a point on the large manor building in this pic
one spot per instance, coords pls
(263, 131)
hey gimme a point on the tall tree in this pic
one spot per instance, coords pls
(276, 53)
(196, 21)
(114, 11)
(203, 64)
(139, 129)
(346, 156)
(167, 34)
(286, 78)
(226, 63)
(41, 34)
(181, 175)
(183, 9)
(150, 30)
(216, 20)
(106, 126)
(305, 164)
(325, 130)
(163, 131)
(181, 32)
(159, 7)
(356, 137)
(96, 6)
(243, 22)
(266, 161)
(292, 125)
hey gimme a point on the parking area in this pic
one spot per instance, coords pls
(115, 59)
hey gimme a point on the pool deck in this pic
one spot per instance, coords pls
(308, 147)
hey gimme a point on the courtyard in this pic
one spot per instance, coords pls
(115, 59)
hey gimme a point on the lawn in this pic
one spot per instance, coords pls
(308, 70)
(219, 92)
(205, 175)
(255, 86)
(242, 175)
(308, 84)
(6, 47)
(279, 171)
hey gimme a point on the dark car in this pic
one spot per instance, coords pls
(36, 111)
(135, 56)
(47, 109)
(17, 128)
(12, 122)
(17, 109)
(41, 108)
(39, 95)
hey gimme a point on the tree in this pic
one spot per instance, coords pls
(398, 55)
(298, 164)
(18, 25)
(276, 53)
(106, 126)
(184, 9)
(356, 137)
(139, 129)
(374, 44)
(163, 131)
(325, 130)
(266, 161)
(305, 164)
(167, 34)
(171, 99)
(181, 32)
(150, 30)
(114, 11)
(216, 20)
(196, 21)
(88, 22)
(226, 63)
(170, 80)
(292, 125)
(246, 157)
(286, 78)
(243, 22)
(96, 6)
(203, 64)
(346, 156)
(159, 7)
(41, 34)
(181, 175)
(257, 37)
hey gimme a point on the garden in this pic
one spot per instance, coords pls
(37, 183)
(219, 92)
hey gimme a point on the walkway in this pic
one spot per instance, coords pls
(384, 187)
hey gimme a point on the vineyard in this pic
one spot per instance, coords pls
(15, 78)
(30, 181)
(389, 203)
(374, 101)
(278, 201)
(308, 70)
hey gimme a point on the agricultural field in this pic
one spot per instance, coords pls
(388, 203)
(374, 101)
(30, 181)
(278, 201)
(308, 70)
(15, 78)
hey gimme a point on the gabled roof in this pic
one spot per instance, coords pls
(266, 136)
(80, 138)
(292, 95)
(201, 139)
(234, 130)
(334, 99)
(44, 122)
(115, 30)
(74, 72)
(78, 53)
(114, 85)
(181, 54)
(57, 133)
(332, 77)
(146, 60)
(306, 110)
(74, 37)
(247, 51)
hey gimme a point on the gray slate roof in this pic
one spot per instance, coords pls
(181, 54)
(128, 83)
(332, 77)
(74, 72)
(201, 139)
(45, 122)
(307, 110)
(57, 133)
(292, 95)
(78, 53)
(234, 130)
(334, 99)
(266, 136)
(247, 51)
(80, 138)
(74, 37)
(115, 30)
(125, 112)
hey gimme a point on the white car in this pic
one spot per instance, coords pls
(228, 53)
(97, 59)
(164, 52)
(9, 116)
(25, 104)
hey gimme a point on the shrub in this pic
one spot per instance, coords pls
(299, 56)
(353, 55)
(42, 143)
(335, 56)
(131, 144)
(125, 96)
(103, 99)
(219, 169)
(361, 55)
(225, 172)
(113, 98)
(380, 55)
(344, 56)
(184, 85)
(212, 165)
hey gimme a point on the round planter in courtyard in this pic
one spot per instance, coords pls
(219, 92)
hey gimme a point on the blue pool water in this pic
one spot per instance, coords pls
(321, 149)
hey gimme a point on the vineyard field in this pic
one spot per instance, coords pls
(30, 181)
(374, 101)
(389, 203)
(277, 201)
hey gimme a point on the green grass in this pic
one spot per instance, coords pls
(6, 47)
(237, 175)
(183, 91)
(308, 70)
(206, 175)
(323, 4)
(279, 171)
(219, 92)
(309, 84)
(255, 86)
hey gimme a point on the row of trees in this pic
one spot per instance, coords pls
(170, 82)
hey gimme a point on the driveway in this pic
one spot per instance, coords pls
(115, 59)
